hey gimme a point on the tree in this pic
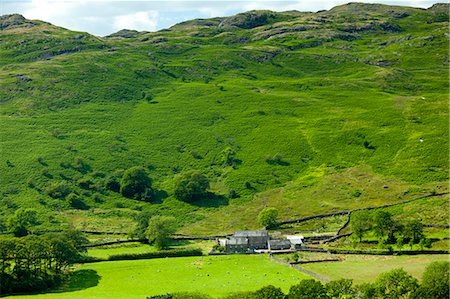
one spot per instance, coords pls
(435, 282)
(268, 218)
(63, 250)
(400, 242)
(360, 223)
(269, 292)
(413, 230)
(366, 291)
(191, 186)
(135, 182)
(307, 289)
(77, 237)
(341, 288)
(159, 230)
(383, 223)
(21, 220)
(142, 223)
(395, 284)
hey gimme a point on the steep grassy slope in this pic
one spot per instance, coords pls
(314, 105)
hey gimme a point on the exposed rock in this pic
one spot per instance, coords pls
(23, 78)
(213, 22)
(125, 33)
(14, 21)
(440, 7)
(249, 20)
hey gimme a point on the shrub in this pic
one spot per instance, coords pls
(77, 202)
(85, 183)
(46, 173)
(57, 190)
(31, 184)
(112, 183)
(233, 194)
(196, 154)
(81, 165)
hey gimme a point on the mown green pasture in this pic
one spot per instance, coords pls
(365, 268)
(214, 275)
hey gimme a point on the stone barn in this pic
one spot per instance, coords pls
(247, 241)
(280, 244)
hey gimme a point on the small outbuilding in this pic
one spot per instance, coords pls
(296, 241)
(280, 244)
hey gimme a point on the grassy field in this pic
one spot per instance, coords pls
(214, 275)
(130, 248)
(365, 268)
(135, 247)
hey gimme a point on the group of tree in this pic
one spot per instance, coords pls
(135, 183)
(156, 229)
(387, 229)
(35, 263)
(20, 222)
(390, 285)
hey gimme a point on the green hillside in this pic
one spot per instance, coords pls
(306, 112)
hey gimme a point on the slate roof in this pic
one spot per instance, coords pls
(237, 241)
(296, 240)
(250, 233)
(280, 243)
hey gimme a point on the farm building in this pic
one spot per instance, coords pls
(280, 244)
(247, 240)
(296, 241)
(255, 240)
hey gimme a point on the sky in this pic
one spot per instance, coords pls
(103, 17)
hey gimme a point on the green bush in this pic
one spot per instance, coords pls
(57, 190)
(75, 201)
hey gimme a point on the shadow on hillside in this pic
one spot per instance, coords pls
(212, 201)
(79, 280)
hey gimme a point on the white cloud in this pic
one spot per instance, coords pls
(47, 10)
(144, 20)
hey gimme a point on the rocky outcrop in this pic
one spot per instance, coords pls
(14, 21)
(249, 20)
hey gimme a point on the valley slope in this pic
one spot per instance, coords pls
(320, 112)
